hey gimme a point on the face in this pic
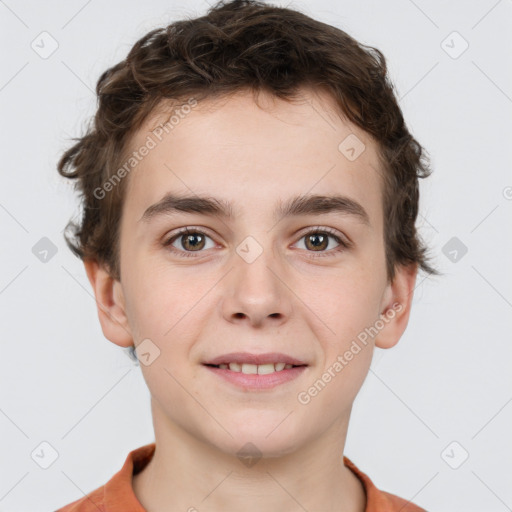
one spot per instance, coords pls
(300, 278)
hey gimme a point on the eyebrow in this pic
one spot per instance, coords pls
(300, 205)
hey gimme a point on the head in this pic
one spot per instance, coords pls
(253, 109)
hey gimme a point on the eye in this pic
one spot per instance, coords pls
(318, 241)
(188, 240)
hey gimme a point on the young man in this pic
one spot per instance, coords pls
(250, 195)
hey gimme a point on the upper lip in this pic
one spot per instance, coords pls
(245, 357)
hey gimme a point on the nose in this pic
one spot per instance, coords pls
(256, 292)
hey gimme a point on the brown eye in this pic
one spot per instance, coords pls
(188, 241)
(317, 241)
(192, 241)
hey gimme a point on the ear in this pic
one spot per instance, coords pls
(396, 306)
(110, 304)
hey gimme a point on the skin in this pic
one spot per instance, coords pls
(287, 300)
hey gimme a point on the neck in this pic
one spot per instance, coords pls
(188, 474)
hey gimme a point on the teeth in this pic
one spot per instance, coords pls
(263, 369)
(260, 369)
(249, 368)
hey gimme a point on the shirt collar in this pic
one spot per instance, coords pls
(119, 495)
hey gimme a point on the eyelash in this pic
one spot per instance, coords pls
(343, 244)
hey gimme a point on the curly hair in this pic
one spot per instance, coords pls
(243, 45)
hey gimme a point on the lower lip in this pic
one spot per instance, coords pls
(256, 381)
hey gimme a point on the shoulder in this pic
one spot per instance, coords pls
(400, 504)
(117, 494)
(92, 502)
(377, 500)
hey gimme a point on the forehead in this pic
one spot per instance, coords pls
(254, 153)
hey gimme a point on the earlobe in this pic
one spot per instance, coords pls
(110, 304)
(396, 306)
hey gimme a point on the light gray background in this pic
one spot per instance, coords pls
(447, 380)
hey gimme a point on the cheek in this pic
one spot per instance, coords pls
(351, 309)
(154, 299)
(165, 305)
(346, 303)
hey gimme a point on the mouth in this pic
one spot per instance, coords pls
(256, 371)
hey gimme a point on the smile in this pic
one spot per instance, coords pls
(256, 371)
(252, 369)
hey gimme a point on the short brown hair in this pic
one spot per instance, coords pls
(237, 45)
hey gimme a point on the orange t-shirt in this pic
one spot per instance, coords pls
(117, 494)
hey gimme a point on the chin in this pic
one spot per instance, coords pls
(271, 438)
(248, 449)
